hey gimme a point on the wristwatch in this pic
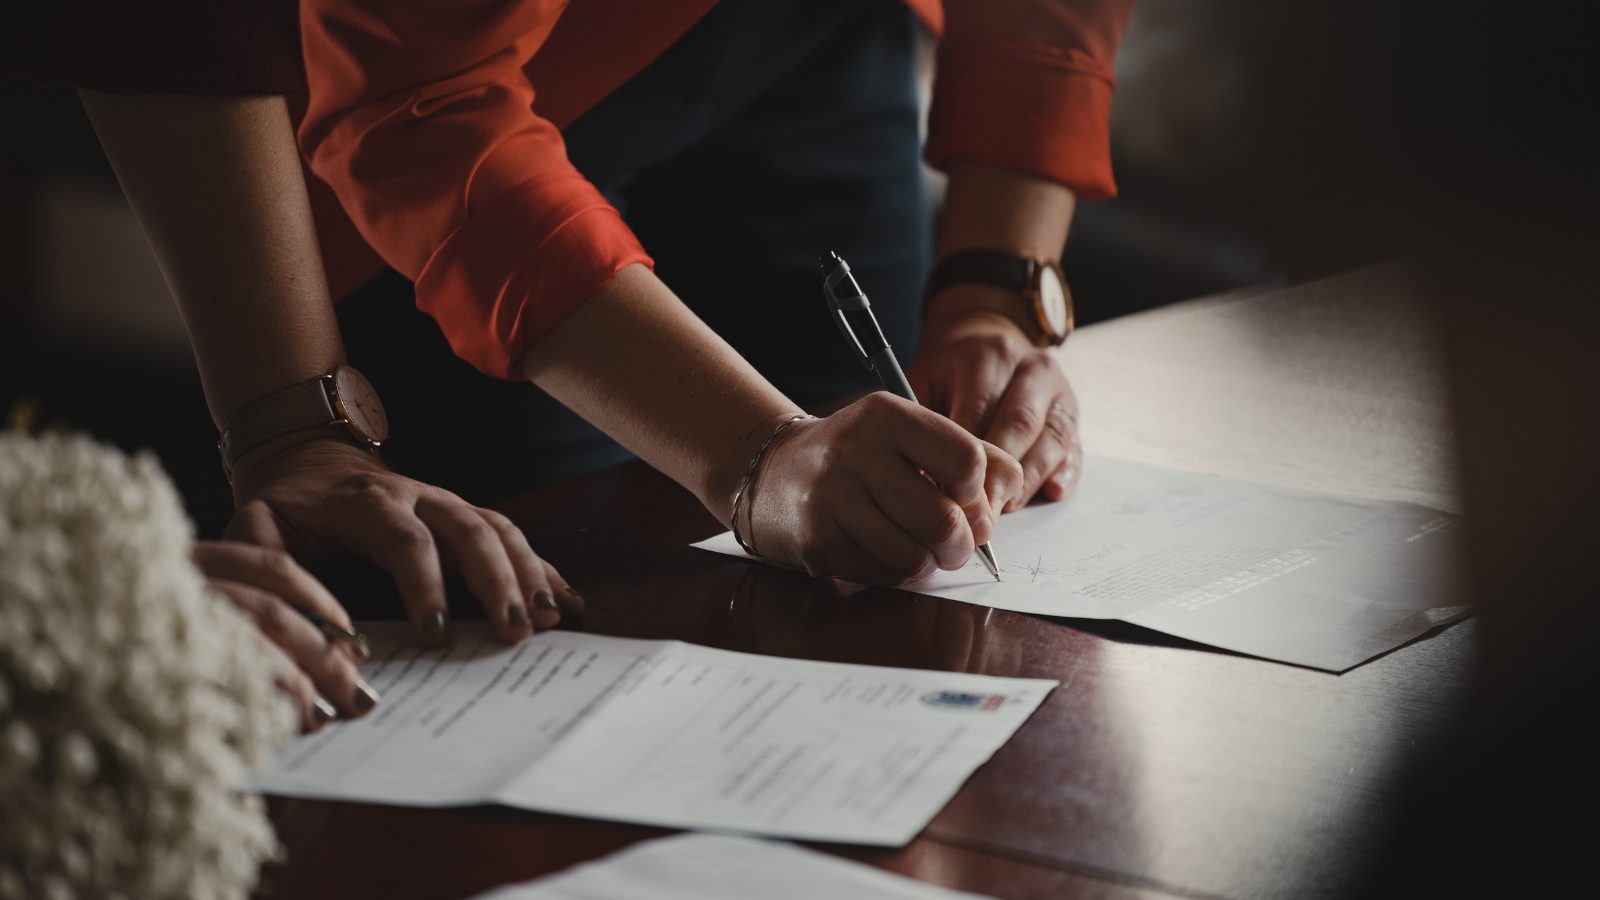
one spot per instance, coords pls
(341, 402)
(1038, 284)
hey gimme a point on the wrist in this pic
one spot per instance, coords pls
(960, 305)
(723, 477)
(319, 448)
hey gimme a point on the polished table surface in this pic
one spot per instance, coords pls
(1159, 768)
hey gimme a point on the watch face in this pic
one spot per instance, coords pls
(1054, 302)
(358, 403)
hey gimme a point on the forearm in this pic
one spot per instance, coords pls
(639, 365)
(1001, 209)
(217, 186)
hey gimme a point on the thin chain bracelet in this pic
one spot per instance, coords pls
(749, 472)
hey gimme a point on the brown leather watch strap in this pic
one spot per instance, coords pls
(304, 405)
(982, 266)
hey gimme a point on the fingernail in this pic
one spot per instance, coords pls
(323, 711)
(546, 613)
(435, 629)
(579, 604)
(366, 698)
(518, 616)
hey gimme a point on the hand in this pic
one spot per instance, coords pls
(319, 497)
(854, 495)
(267, 585)
(979, 368)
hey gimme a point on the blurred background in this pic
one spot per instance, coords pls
(88, 331)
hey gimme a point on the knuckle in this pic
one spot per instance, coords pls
(276, 562)
(411, 537)
(1020, 417)
(370, 490)
(970, 454)
(474, 528)
(498, 521)
(920, 564)
(275, 620)
(952, 523)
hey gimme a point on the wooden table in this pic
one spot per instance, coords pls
(1158, 768)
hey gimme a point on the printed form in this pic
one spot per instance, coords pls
(1296, 576)
(660, 733)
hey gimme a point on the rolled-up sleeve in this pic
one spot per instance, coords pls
(1026, 84)
(421, 119)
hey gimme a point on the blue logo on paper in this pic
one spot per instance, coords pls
(963, 700)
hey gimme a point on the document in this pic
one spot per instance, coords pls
(659, 733)
(719, 867)
(1295, 576)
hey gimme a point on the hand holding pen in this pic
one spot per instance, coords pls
(850, 495)
(850, 309)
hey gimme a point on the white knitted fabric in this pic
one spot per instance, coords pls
(133, 702)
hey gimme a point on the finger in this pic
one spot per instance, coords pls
(846, 556)
(314, 711)
(887, 544)
(1020, 417)
(1064, 482)
(568, 598)
(1003, 480)
(332, 674)
(539, 591)
(479, 555)
(385, 529)
(254, 523)
(935, 445)
(922, 511)
(976, 389)
(271, 570)
(1048, 454)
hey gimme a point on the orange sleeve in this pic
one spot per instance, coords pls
(1026, 84)
(421, 120)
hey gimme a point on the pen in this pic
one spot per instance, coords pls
(337, 633)
(853, 313)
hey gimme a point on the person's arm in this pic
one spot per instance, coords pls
(217, 186)
(1020, 123)
(841, 496)
(423, 121)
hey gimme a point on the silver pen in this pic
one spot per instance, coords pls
(847, 302)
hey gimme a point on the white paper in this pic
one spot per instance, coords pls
(659, 732)
(1296, 576)
(719, 867)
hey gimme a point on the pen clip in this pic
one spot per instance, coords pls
(840, 272)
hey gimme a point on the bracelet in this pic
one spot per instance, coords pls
(749, 473)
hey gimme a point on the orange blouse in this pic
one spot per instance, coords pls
(437, 125)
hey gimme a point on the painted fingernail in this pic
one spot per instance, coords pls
(323, 711)
(578, 603)
(365, 697)
(545, 600)
(435, 629)
(518, 616)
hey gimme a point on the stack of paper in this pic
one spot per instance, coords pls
(660, 732)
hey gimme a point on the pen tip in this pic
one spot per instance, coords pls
(829, 260)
